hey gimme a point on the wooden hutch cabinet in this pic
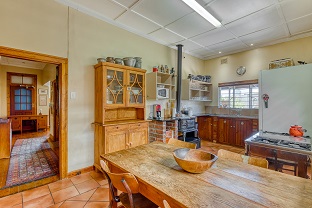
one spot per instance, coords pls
(119, 109)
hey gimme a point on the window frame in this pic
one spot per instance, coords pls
(237, 84)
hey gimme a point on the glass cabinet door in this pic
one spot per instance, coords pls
(115, 87)
(136, 88)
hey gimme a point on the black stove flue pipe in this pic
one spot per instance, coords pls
(179, 77)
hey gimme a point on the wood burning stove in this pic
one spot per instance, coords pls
(188, 128)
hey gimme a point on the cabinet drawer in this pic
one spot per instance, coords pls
(116, 128)
(138, 125)
(29, 118)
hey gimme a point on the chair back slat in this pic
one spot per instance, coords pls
(117, 179)
(180, 143)
(260, 162)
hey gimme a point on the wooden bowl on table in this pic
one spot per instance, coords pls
(193, 160)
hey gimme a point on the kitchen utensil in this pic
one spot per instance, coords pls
(296, 131)
(193, 160)
(118, 61)
(101, 60)
(129, 61)
(110, 59)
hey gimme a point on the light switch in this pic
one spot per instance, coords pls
(72, 95)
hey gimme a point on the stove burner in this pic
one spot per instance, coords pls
(283, 134)
(283, 143)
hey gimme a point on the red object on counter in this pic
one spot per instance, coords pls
(296, 131)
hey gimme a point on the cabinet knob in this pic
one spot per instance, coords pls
(224, 121)
(242, 123)
(130, 143)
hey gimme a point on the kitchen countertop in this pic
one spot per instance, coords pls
(163, 119)
(225, 115)
(4, 120)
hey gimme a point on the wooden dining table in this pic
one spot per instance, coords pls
(226, 184)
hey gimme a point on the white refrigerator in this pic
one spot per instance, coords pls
(290, 99)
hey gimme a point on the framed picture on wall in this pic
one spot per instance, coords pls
(43, 100)
(42, 91)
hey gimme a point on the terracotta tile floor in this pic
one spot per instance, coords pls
(85, 190)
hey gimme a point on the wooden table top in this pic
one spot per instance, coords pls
(225, 184)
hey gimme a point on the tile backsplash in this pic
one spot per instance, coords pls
(228, 111)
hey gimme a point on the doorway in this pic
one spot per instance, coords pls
(62, 95)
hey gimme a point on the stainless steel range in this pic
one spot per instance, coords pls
(281, 147)
(283, 141)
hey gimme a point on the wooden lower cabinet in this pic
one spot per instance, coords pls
(224, 133)
(112, 138)
(41, 122)
(5, 139)
(205, 127)
(243, 130)
(225, 130)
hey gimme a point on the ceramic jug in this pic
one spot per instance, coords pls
(296, 131)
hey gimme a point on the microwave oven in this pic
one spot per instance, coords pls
(162, 92)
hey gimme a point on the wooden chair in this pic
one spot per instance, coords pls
(166, 205)
(128, 184)
(260, 162)
(180, 143)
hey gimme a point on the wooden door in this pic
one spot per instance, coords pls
(224, 130)
(138, 134)
(22, 100)
(243, 130)
(116, 138)
(54, 109)
(205, 127)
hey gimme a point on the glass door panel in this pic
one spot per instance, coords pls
(136, 88)
(115, 89)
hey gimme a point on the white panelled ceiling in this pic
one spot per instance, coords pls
(246, 24)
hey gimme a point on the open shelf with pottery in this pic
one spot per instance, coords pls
(196, 90)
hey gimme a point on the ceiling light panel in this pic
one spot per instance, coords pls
(213, 37)
(137, 22)
(166, 36)
(296, 8)
(203, 12)
(105, 8)
(188, 21)
(300, 25)
(255, 22)
(163, 11)
(229, 10)
(265, 36)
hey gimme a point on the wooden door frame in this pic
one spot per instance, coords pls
(63, 95)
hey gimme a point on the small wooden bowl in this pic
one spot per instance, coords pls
(193, 160)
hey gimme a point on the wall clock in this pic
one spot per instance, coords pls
(241, 70)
